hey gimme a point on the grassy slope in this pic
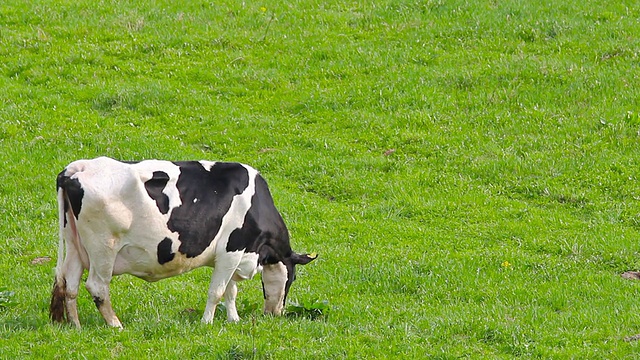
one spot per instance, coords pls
(515, 129)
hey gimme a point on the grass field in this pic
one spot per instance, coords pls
(467, 171)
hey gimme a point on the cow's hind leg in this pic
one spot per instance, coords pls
(72, 269)
(223, 272)
(65, 289)
(100, 274)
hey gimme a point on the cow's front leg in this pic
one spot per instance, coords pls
(230, 301)
(222, 274)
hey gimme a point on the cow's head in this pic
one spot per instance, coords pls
(278, 273)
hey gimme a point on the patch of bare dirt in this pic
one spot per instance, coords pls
(40, 260)
(631, 275)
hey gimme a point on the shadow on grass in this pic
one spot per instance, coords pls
(236, 352)
(245, 310)
(17, 324)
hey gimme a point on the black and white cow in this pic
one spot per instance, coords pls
(156, 219)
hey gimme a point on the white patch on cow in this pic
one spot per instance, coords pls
(234, 218)
(171, 190)
(207, 164)
(145, 170)
(274, 279)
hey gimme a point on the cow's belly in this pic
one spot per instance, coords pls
(143, 263)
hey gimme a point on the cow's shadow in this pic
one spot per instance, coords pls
(246, 310)
(36, 321)
(11, 319)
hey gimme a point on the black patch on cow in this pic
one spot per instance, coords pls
(98, 301)
(206, 197)
(74, 192)
(154, 187)
(245, 237)
(291, 276)
(262, 227)
(164, 251)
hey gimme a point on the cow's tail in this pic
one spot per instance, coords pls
(58, 308)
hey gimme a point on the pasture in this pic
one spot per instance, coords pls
(467, 171)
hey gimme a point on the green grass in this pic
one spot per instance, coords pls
(466, 170)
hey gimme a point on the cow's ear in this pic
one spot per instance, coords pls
(303, 259)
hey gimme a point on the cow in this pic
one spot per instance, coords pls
(156, 219)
